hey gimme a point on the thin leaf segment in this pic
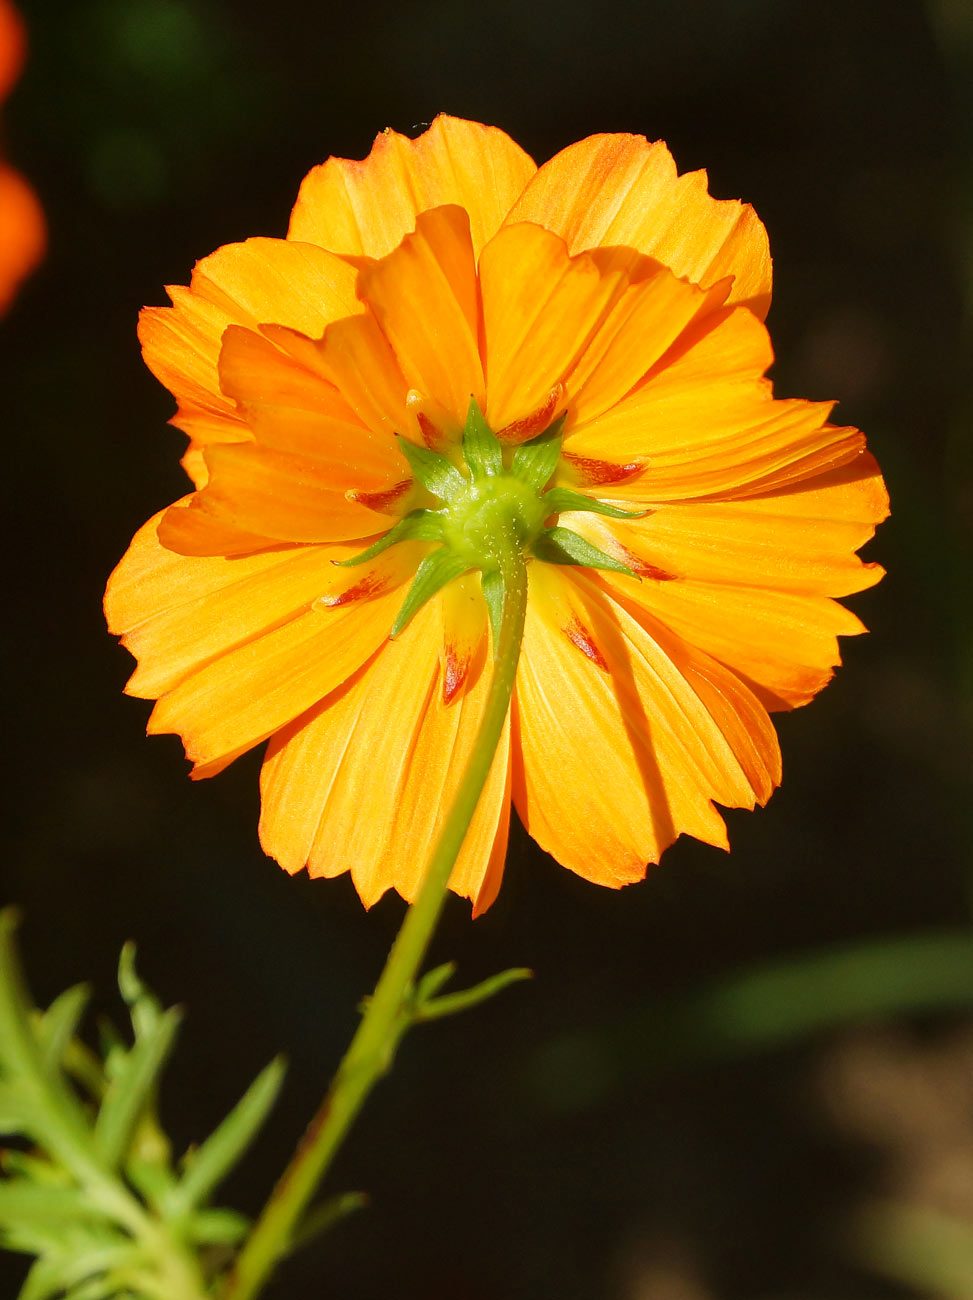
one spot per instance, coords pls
(495, 492)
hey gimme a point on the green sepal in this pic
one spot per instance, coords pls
(559, 499)
(562, 546)
(482, 449)
(437, 474)
(432, 574)
(491, 580)
(447, 1004)
(535, 461)
(209, 1164)
(416, 526)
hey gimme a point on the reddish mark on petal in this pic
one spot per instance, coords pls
(430, 434)
(456, 669)
(379, 501)
(370, 585)
(531, 425)
(642, 568)
(581, 637)
(592, 472)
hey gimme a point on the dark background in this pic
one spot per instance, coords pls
(545, 1144)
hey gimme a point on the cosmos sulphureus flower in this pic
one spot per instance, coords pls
(449, 335)
(22, 230)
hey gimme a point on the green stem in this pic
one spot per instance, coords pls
(388, 1011)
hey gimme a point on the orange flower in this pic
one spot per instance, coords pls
(22, 237)
(685, 530)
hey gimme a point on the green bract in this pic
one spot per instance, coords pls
(495, 491)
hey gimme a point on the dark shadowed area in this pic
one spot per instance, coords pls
(694, 1098)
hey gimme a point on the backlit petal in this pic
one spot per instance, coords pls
(802, 540)
(385, 743)
(287, 497)
(367, 207)
(252, 691)
(292, 409)
(424, 296)
(541, 309)
(646, 322)
(617, 760)
(706, 422)
(785, 644)
(260, 280)
(611, 190)
(177, 613)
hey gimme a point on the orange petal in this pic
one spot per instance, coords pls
(356, 357)
(646, 322)
(23, 235)
(260, 280)
(177, 613)
(367, 207)
(253, 690)
(803, 540)
(189, 531)
(386, 738)
(424, 295)
(291, 409)
(464, 639)
(541, 309)
(289, 498)
(614, 190)
(615, 764)
(706, 422)
(783, 643)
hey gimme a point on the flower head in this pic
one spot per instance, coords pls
(449, 341)
(22, 236)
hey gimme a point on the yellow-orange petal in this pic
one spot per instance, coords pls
(252, 283)
(188, 531)
(803, 540)
(783, 643)
(464, 635)
(705, 422)
(286, 497)
(541, 309)
(367, 207)
(424, 296)
(647, 320)
(387, 742)
(245, 695)
(178, 613)
(292, 409)
(23, 235)
(611, 190)
(358, 359)
(626, 740)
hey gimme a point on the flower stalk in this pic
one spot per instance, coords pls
(395, 1003)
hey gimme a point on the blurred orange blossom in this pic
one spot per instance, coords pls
(314, 374)
(22, 235)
